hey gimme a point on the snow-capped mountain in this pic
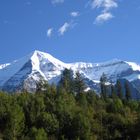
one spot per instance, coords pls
(26, 72)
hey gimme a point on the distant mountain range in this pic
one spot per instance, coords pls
(26, 72)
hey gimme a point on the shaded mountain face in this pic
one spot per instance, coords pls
(25, 73)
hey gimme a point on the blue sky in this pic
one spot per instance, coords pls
(70, 30)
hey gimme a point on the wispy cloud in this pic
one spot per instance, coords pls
(106, 7)
(64, 28)
(105, 4)
(74, 14)
(49, 32)
(103, 17)
(57, 1)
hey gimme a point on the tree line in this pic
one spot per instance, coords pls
(69, 112)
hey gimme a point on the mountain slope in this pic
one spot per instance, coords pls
(26, 72)
(30, 69)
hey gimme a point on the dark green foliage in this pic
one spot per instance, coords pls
(80, 127)
(79, 85)
(37, 134)
(67, 81)
(127, 91)
(15, 122)
(49, 122)
(67, 112)
(103, 81)
(119, 89)
(113, 91)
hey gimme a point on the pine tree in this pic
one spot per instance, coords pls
(113, 91)
(66, 81)
(127, 91)
(103, 81)
(79, 84)
(119, 89)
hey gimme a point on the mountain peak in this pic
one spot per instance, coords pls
(39, 56)
(37, 52)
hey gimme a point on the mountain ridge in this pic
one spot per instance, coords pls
(27, 71)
